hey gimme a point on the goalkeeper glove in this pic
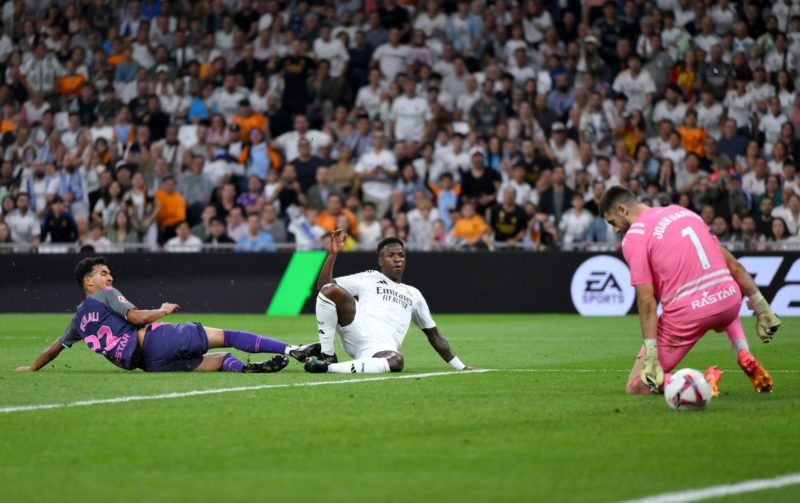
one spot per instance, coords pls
(652, 373)
(766, 321)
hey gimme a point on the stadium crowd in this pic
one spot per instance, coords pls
(257, 124)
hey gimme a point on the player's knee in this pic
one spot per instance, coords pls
(636, 387)
(396, 362)
(332, 291)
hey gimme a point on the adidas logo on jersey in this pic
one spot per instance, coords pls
(382, 282)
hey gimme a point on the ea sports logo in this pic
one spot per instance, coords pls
(601, 286)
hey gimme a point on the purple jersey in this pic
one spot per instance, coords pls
(101, 322)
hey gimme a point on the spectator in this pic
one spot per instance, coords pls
(171, 209)
(97, 240)
(789, 212)
(369, 228)
(23, 224)
(375, 172)
(217, 234)
(575, 223)
(508, 220)
(329, 217)
(470, 230)
(122, 232)
(479, 185)
(58, 225)
(183, 241)
(195, 188)
(255, 239)
(272, 225)
(553, 201)
(319, 192)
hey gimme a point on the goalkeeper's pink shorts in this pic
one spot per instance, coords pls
(677, 336)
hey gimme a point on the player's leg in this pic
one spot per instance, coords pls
(380, 362)
(212, 362)
(245, 341)
(760, 378)
(335, 306)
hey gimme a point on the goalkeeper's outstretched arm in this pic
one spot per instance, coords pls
(766, 321)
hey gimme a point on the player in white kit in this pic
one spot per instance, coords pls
(371, 311)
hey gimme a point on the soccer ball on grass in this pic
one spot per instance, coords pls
(687, 390)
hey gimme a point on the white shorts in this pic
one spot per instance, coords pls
(362, 340)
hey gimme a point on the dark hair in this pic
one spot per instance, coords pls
(86, 266)
(388, 241)
(614, 196)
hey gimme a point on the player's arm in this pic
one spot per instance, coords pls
(652, 373)
(141, 317)
(766, 321)
(442, 347)
(49, 354)
(338, 238)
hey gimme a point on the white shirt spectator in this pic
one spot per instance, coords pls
(709, 119)
(792, 224)
(191, 245)
(522, 190)
(567, 153)
(775, 62)
(142, 55)
(740, 108)
(760, 92)
(42, 73)
(573, 227)
(753, 185)
(228, 102)
(465, 101)
(369, 100)
(335, 52)
(771, 126)
(368, 235)
(288, 142)
(636, 88)
(379, 188)
(430, 25)
(6, 48)
(23, 227)
(663, 111)
(392, 60)
(410, 116)
(706, 42)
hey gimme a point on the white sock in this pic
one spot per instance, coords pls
(290, 348)
(361, 366)
(739, 344)
(326, 322)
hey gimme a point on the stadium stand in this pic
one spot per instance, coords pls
(185, 125)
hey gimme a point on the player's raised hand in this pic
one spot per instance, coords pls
(338, 238)
(168, 308)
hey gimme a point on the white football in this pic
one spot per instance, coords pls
(687, 390)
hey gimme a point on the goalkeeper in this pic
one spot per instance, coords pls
(676, 261)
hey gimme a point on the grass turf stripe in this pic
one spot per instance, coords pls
(295, 286)
(183, 394)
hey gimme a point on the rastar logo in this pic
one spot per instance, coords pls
(601, 286)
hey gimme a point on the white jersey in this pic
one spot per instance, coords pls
(384, 311)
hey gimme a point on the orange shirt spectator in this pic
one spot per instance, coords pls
(249, 122)
(471, 227)
(70, 85)
(327, 220)
(173, 206)
(692, 137)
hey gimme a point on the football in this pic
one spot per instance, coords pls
(687, 390)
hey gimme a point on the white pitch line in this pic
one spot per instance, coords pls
(182, 394)
(747, 486)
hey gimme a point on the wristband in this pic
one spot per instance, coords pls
(649, 343)
(456, 363)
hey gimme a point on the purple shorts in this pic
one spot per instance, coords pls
(173, 348)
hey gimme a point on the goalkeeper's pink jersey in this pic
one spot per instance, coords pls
(672, 249)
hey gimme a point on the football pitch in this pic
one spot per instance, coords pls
(548, 421)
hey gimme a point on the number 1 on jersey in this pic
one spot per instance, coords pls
(698, 247)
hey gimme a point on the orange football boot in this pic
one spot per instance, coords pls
(713, 375)
(762, 381)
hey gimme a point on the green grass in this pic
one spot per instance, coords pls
(499, 436)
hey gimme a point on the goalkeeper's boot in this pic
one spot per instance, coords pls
(319, 365)
(274, 364)
(760, 378)
(713, 375)
(306, 351)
